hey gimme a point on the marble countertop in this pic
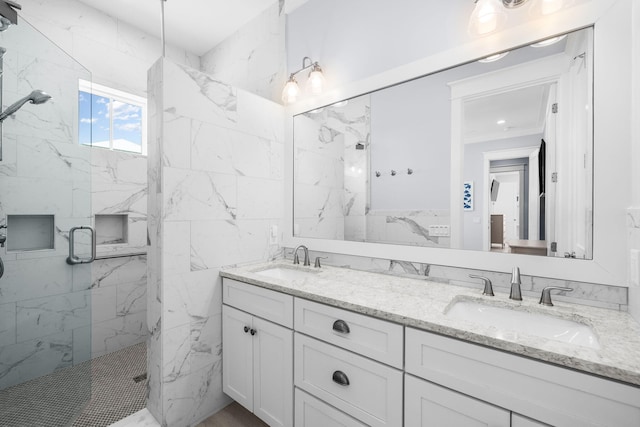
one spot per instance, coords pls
(422, 304)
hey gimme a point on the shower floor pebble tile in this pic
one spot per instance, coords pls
(102, 388)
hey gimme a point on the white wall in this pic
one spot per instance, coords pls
(117, 54)
(357, 39)
(633, 214)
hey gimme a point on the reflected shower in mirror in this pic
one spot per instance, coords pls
(491, 155)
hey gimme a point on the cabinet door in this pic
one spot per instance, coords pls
(427, 404)
(312, 412)
(237, 356)
(272, 373)
(520, 421)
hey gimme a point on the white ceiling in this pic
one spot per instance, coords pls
(523, 110)
(194, 25)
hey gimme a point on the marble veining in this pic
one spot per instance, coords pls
(422, 303)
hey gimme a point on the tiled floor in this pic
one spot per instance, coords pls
(56, 399)
(233, 415)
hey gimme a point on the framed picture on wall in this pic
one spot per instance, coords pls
(467, 196)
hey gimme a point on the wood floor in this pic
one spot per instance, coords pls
(233, 415)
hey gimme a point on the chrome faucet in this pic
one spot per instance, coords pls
(545, 298)
(488, 289)
(515, 294)
(296, 260)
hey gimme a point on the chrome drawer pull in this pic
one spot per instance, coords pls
(253, 332)
(341, 378)
(246, 329)
(341, 326)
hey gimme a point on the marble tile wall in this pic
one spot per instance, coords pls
(216, 180)
(253, 59)
(591, 294)
(407, 227)
(45, 303)
(117, 54)
(55, 315)
(332, 166)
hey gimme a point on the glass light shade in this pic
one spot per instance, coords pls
(487, 17)
(549, 42)
(315, 83)
(290, 91)
(493, 58)
(551, 6)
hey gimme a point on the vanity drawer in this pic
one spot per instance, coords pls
(270, 305)
(545, 392)
(374, 338)
(363, 388)
(312, 412)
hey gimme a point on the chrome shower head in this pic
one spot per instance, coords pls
(35, 97)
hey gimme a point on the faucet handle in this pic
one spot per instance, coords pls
(488, 289)
(545, 297)
(516, 293)
(296, 259)
(317, 263)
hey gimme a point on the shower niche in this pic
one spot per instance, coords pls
(112, 229)
(30, 232)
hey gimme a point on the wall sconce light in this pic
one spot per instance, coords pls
(489, 15)
(315, 81)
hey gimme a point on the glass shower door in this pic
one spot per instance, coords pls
(45, 191)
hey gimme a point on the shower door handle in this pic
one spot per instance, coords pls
(73, 259)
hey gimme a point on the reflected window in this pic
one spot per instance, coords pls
(111, 119)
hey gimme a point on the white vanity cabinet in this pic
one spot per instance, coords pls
(257, 353)
(348, 375)
(430, 405)
(542, 393)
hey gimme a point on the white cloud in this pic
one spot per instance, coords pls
(129, 127)
(84, 120)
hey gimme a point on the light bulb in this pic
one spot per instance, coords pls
(551, 6)
(315, 83)
(291, 91)
(493, 58)
(486, 17)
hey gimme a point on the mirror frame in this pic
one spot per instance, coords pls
(612, 22)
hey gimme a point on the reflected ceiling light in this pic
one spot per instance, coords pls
(493, 58)
(487, 17)
(315, 82)
(341, 103)
(549, 42)
(501, 122)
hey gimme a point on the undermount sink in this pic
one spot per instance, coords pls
(286, 273)
(509, 321)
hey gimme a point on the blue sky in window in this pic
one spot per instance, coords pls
(94, 118)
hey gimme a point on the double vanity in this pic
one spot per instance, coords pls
(333, 346)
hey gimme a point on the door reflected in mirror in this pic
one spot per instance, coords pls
(487, 156)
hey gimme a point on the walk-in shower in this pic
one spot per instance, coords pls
(35, 97)
(45, 190)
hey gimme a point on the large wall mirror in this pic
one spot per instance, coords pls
(493, 155)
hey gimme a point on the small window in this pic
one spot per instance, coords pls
(112, 119)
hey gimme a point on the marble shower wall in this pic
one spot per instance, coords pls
(254, 58)
(331, 175)
(216, 187)
(117, 54)
(119, 282)
(45, 304)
